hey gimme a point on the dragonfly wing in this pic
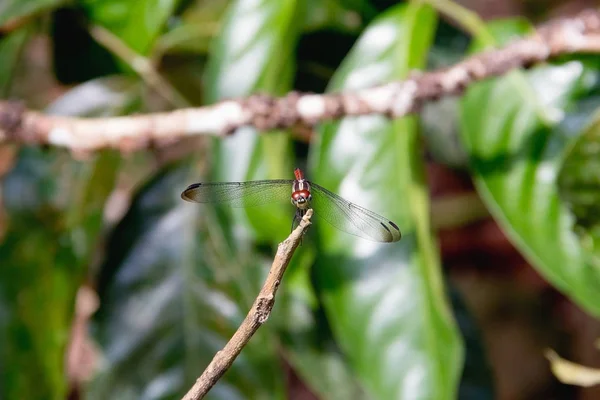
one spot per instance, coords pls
(239, 194)
(352, 218)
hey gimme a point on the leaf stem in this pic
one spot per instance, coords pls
(468, 19)
(140, 64)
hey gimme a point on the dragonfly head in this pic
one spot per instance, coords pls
(301, 199)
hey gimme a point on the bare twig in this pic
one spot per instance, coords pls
(579, 34)
(258, 315)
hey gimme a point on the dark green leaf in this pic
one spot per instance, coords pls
(509, 128)
(254, 53)
(12, 10)
(386, 302)
(10, 50)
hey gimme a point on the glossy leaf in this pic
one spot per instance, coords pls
(385, 302)
(509, 126)
(254, 53)
(10, 50)
(170, 302)
(12, 10)
(137, 23)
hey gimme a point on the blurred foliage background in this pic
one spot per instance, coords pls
(112, 287)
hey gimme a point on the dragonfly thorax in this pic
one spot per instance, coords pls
(301, 196)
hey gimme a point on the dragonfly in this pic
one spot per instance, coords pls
(304, 194)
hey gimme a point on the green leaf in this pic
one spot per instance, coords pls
(254, 53)
(510, 129)
(51, 232)
(306, 340)
(38, 280)
(11, 46)
(169, 302)
(55, 208)
(12, 10)
(579, 186)
(137, 23)
(331, 14)
(194, 30)
(385, 302)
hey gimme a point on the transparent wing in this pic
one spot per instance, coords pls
(351, 218)
(240, 194)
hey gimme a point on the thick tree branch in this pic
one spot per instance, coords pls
(258, 315)
(579, 34)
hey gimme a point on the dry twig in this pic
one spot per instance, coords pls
(579, 34)
(258, 315)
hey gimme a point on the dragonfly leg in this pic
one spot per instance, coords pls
(297, 218)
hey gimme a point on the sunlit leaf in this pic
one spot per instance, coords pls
(571, 373)
(385, 302)
(254, 53)
(510, 129)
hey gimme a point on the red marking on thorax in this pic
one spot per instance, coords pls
(298, 174)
